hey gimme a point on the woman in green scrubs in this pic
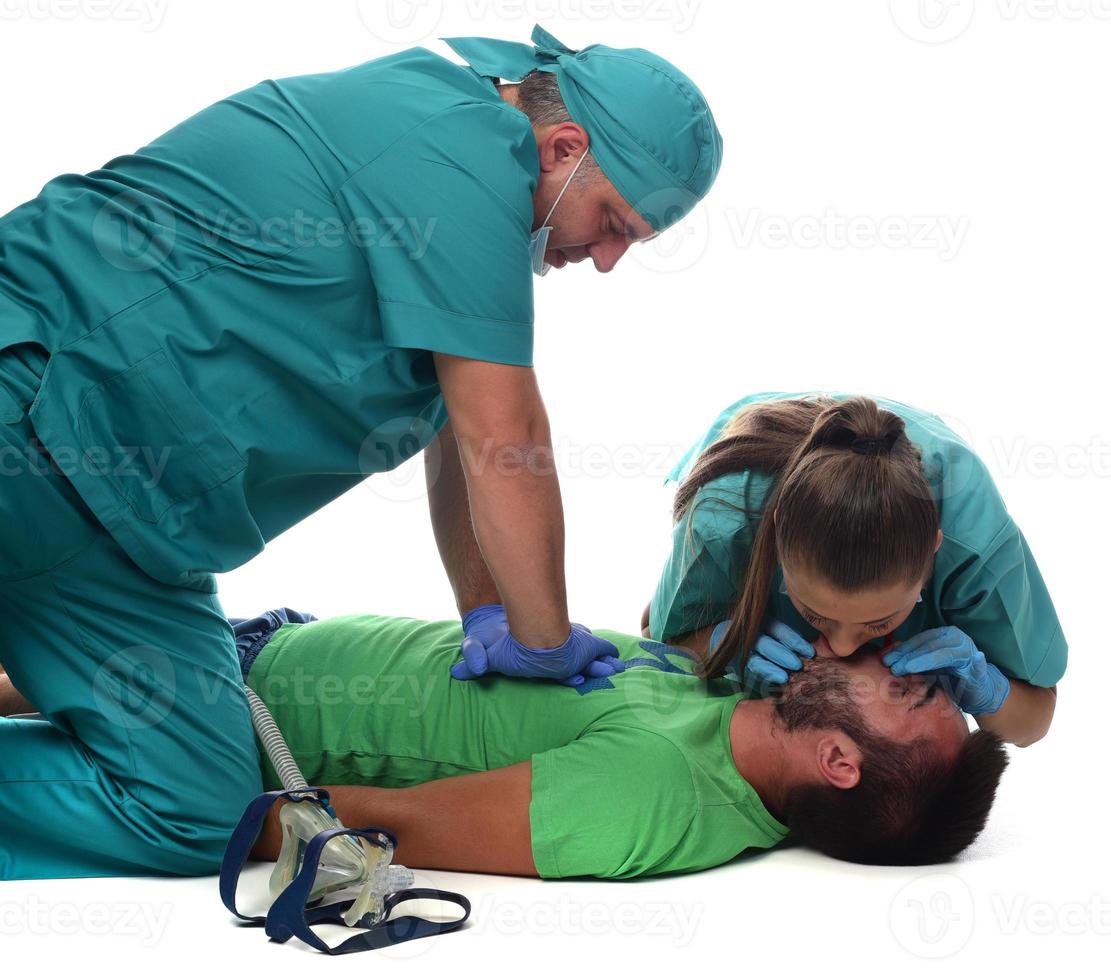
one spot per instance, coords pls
(821, 523)
(207, 340)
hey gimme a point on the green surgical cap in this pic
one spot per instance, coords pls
(650, 128)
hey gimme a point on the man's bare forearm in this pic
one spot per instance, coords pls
(517, 513)
(505, 449)
(450, 510)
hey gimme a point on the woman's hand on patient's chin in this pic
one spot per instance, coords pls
(778, 653)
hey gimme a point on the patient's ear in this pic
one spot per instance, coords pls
(838, 760)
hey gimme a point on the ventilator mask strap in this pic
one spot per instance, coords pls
(246, 833)
(289, 917)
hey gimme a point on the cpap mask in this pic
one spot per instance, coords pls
(319, 856)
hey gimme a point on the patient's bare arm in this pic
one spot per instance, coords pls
(11, 701)
(475, 822)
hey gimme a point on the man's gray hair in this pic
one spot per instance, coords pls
(539, 98)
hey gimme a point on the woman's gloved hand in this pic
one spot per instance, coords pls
(489, 647)
(977, 687)
(778, 650)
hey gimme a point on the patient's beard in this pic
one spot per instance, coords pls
(819, 697)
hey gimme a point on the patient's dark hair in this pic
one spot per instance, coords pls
(857, 519)
(909, 807)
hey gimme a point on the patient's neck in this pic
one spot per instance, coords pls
(767, 757)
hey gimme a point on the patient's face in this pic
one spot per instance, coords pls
(905, 708)
(828, 692)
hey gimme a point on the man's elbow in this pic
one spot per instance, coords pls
(507, 446)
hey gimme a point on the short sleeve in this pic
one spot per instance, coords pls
(710, 545)
(615, 803)
(999, 599)
(444, 217)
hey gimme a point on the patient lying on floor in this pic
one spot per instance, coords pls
(649, 771)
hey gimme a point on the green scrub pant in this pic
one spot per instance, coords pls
(144, 757)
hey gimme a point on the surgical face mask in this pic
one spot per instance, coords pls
(538, 245)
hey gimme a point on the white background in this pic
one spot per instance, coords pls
(977, 131)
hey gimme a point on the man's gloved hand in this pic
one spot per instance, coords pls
(778, 650)
(489, 647)
(977, 687)
(487, 624)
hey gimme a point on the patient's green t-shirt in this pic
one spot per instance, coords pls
(631, 774)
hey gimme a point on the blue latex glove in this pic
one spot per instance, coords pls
(977, 687)
(489, 647)
(776, 652)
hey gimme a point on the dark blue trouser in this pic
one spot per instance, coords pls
(251, 635)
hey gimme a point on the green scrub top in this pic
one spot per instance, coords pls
(985, 580)
(241, 315)
(631, 774)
